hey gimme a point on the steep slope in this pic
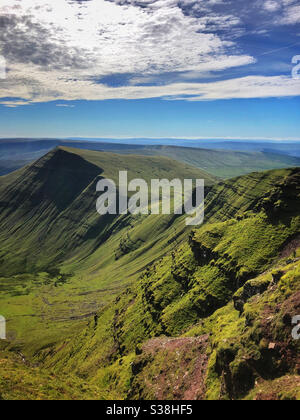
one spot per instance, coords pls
(233, 354)
(143, 307)
(251, 224)
(52, 204)
(21, 381)
(59, 259)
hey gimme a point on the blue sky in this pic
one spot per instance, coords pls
(150, 68)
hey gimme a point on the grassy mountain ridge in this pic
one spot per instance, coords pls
(144, 307)
(55, 245)
(223, 163)
(52, 203)
(186, 286)
(215, 160)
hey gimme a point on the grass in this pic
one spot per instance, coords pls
(56, 222)
(185, 286)
(221, 163)
(145, 277)
(20, 381)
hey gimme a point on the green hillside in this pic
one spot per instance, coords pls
(221, 163)
(20, 381)
(51, 205)
(144, 307)
(53, 243)
(190, 285)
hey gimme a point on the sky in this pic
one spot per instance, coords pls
(150, 68)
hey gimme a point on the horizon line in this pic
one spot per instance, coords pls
(193, 138)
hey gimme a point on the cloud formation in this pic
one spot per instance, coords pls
(64, 49)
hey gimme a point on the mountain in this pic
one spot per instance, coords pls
(221, 163)
(52, 203)
(208, 305)
(282, 146)
(54, 244)
(143, 307)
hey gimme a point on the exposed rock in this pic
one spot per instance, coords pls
(249, 290)
(276, 276)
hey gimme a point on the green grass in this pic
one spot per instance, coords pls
(189, 285)
(247, 337)
(48, 219)
(20, 381)
(221, 163)
(144, 276)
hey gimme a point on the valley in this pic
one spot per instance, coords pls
(144, 307)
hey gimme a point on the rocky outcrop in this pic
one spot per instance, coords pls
(170, 368)
(250, 289)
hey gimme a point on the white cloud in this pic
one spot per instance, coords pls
(271, 5)
(58, 50)
(291, 15)
(14, 104)
(117, 39)
(40, 88)
(289, 11)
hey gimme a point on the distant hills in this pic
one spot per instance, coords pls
(287, 147)
(221, 159)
